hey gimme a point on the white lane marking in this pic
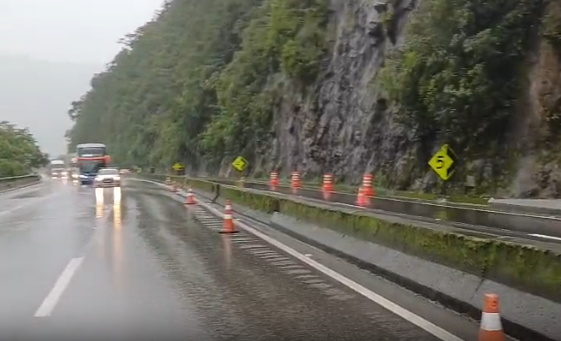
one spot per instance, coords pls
(61, 284)
(376, 298)
(544, 236)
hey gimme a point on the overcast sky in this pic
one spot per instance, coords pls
(70, 30)
(82, 32)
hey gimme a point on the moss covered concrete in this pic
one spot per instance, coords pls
(523, 267)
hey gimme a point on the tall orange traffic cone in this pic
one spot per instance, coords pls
(228, 219)
(274, 181)
(361, 199)
(295, 182)
(491, 328)
(327, 187)
(190, 200)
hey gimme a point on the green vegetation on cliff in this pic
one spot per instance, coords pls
(458, 77)
(198, 81)
(207, 79)
(19, 152)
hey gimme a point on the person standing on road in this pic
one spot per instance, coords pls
(216, 189)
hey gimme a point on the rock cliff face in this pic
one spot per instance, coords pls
(340, 86)
(345, 124)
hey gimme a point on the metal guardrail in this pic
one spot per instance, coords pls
(13, 182)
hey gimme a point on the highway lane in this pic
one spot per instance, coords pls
(135, 264)
(40, 229)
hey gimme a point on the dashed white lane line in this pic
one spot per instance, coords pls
(60, 286)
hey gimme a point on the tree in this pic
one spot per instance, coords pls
(195, 83)
(19, 152)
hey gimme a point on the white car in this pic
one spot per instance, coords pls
(108, 177)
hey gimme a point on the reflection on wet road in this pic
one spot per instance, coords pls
(133, 264)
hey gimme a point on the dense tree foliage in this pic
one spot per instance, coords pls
(203, 79)
(19, 152)
(198, 80)
(457, 77)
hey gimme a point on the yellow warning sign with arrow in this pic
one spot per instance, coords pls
(177, 166)
(443, 162)
(240, 163)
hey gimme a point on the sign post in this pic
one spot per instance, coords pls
(443, 162)
(240, 164)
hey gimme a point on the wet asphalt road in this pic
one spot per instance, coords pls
(146, 270)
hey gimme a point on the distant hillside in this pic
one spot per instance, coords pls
(37, 94)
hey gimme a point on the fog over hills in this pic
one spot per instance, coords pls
(36, 94)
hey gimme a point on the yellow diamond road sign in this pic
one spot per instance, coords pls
(240, 163)
(177, 166)
(443, 162)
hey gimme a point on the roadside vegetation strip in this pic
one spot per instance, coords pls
(523, 267)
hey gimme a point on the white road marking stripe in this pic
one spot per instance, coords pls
(544, 236)
(61, 284)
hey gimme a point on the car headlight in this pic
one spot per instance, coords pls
(117, 178)
(82, 176)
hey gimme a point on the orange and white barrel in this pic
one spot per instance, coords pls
(274, 182)
(295, 182)
(367, 185)
(491, 328)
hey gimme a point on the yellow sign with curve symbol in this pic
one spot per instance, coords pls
(443, 162)
(240, 164)
(178, 166)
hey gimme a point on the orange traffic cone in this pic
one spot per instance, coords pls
(190, 200)
(491, 328)
(361, 199)
(228, 219)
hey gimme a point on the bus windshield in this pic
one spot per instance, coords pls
(91, 152)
